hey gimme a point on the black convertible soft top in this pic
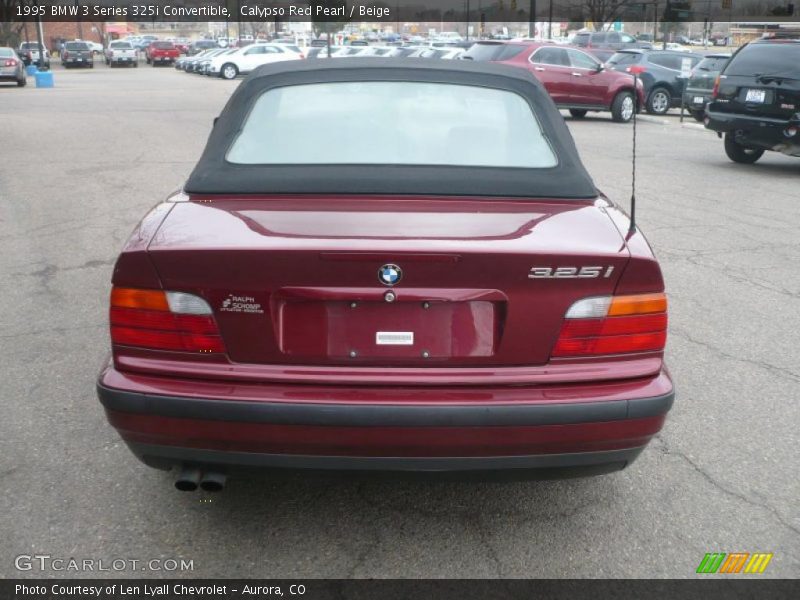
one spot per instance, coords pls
(214, 175)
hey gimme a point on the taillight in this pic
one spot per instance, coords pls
(613, 325)
(715, 90)
(11, 63)
(636, 70)
(163, 321)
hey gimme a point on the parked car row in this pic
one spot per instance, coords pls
(199, 63)
(229, 63)
(751, 99)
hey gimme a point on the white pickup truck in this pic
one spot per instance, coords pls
(122, 53)
(29, 53)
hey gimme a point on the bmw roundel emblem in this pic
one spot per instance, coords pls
(390, 274)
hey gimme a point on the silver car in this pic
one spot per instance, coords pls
(11, 67)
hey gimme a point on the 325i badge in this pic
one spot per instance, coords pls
(569, 272)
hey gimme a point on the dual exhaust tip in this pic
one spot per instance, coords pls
(190, 478)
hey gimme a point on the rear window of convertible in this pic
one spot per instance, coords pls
(392, 123)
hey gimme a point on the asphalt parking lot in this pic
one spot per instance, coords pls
(81, 164)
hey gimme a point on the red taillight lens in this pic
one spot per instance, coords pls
(715, 90)
(579, 328)
(636, 70)
(614, 325)
(163, 321)
(11, 62)
(616, 344)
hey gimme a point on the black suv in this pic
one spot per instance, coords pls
(663, 73)
(756, 100)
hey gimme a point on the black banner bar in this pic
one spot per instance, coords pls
(406, 11)
(708, 588)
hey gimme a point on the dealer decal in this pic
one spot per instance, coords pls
(241, 304)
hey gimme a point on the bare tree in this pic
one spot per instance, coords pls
(10, 25)
(601, 12)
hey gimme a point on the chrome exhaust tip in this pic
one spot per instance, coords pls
(188, 479)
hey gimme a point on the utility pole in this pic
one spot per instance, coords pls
(550, 22)
(40, 37)
(467, 20)
(80, 24)
(655, 22)
(532, 20)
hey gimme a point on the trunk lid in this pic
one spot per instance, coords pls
(296, 280)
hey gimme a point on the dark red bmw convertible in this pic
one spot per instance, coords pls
(437, 287)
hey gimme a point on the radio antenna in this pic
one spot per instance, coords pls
(633, 165)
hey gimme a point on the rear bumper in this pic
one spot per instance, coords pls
(541, 466)
(760, 132)
(691, 96)
(365, 428)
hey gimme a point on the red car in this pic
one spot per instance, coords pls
(575, 79)
(182, 46)
(461, 299)
(162, 53)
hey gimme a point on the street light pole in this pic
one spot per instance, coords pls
(39, 38)
(80, 25)
(532, 19)
(655, 22)
(467, 20)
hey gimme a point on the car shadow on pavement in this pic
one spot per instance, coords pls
(369, 528)
(248, 494)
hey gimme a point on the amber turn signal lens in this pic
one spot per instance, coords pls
(134, 298)
(637, 305)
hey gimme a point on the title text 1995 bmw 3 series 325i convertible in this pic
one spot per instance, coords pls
(447, 293)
